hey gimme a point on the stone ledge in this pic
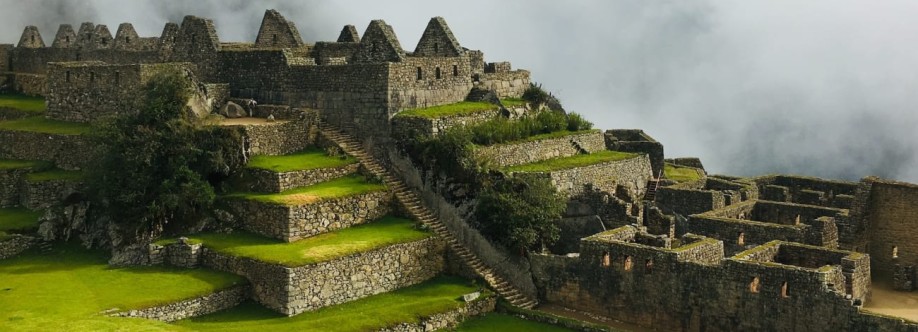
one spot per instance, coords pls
(262, 180)
(194, 307)
(519, 153)
(631, 173)
(16, 245)
(449, 319)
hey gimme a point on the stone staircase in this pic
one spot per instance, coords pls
(652, 186)
(413, 205)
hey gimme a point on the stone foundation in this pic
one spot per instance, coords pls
(36, 195)
(631, 173)
(294, 290)
(199, 306)
(291, 223)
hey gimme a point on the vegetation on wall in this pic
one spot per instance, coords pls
(520, 213)
(160, 165)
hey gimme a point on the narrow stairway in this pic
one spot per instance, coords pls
(413, 205)
(652, 186)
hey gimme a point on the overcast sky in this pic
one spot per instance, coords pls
(823, 88)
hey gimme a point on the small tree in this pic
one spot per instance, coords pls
(520, 214)
(155, 165)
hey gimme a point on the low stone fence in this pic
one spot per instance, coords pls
(15, 245)
(194, 307)
(71, 152)
(291, 223)
(409, 127)
(10, 182)
(631, 173)
(502, 155)
(294, 290)
(262, 180)
(449, 319)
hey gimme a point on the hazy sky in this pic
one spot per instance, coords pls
(825, 88)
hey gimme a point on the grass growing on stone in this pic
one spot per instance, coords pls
(15, 219)
(337, 188)
(324, 247)
(680, 174)
(557, 134)
(461, 108)
(372, 313)
(55, 174)
(68, 288)
(571, 162)
(506, 323)
(22, 103)
(513, 102)
(40, 124)
(305, 160)
(7, 164)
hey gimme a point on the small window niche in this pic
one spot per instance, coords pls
(420, 74)
(455, 70)
(628, 264)
(741, 239)
(437, 73)
(784, 293)
(895, 251)
(606, 259)
(754, 285)
(648, 266)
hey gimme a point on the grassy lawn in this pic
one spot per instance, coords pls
(340, 187)
(66, 289)
(309, 159)
(22, 103)
(15, 219)
(323, 247)
(367, 314)
(6, 164)
(513, 102)
(680, 174)
(506, 323)
(40, 124)
(55, 174)
(571, 162)
(460, 108)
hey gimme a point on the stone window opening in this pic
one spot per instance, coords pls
(127, 40)
(797, 220)
(117, 77)
(67, 39)
(754, 285)
(436, 48)
(32, 38)
(437, 73)
(895, 251)
(627, 265)
(606, 259)
(741, 239)
(648, 266)
(274, 39)
(420, 74)
(742, 216)
(92, 77)
(455, 70)
(374, 47)
(784, 290)
(104, 42)
(67, 76)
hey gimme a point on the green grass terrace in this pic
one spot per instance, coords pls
(8, 164)
(680, 174)
(320, 248)
(55, 174)
(69, 288)
(22, 103)
(555, 134)
(406, 305)
(460, 108)
(39, 124)
(14, 220)
(341, 187)
(581, 160)
(300, 161)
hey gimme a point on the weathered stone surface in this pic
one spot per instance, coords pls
(199, 306)
(446, 320)
(232, 110)
(262, 180)
(71, 152)
(15, 245)
(631, 173)
(501, 155)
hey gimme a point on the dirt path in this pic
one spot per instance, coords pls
(885, 300)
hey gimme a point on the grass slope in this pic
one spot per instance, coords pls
(506, 323)
(367, 314)
(55, 174)
(22, 103)
(6, 164)
(680, 174)
(324, 247)
(305, 160)
(337, 188)
(460, 108)
(571, 162)
(40, 124)
(66, 289)
(14, 219)
(557, 134)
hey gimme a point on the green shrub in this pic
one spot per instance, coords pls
(535, 95)
(576, 122)
(520, 213)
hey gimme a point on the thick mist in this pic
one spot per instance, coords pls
(823, 88)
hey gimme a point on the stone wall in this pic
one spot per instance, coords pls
(194, 307)
(635, 140)
(16, 244)
(29, 84)
(279, 138)
(807, 190)
(291, 223)
(410, 127)
(37, 195)
(267, 181)
(630, 173)
(510, 84)
(419, 82)
(71, 152)
(449, 319)
(892, 224)
(10, 186)
(293, 290)
(502, 155)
